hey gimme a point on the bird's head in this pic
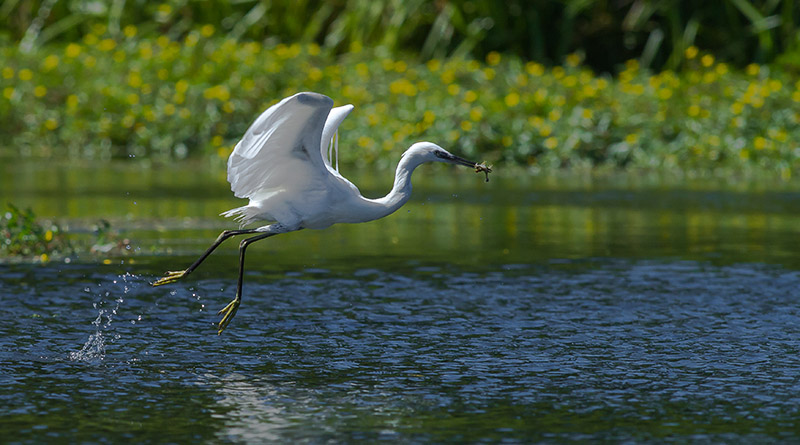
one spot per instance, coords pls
(430, 152)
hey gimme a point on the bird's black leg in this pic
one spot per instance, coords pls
(229, 311)
(173, 276)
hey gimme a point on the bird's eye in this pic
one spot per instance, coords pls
(439, 154)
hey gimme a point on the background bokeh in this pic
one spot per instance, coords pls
(547, 85)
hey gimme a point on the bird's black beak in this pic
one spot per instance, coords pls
(447, 157)
(479, 168)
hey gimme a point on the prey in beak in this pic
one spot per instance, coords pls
(453, 159)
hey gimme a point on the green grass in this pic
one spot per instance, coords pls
(162, 99)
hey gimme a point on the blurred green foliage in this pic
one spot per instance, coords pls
(608, 32)
(24, 236)
(21, 235)
(158, 98)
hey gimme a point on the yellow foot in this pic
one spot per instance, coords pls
(228, 313)
(171, 277)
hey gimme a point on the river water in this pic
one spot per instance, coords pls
(522, 310)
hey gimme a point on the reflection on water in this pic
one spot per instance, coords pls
(456, 216)
(526, 310)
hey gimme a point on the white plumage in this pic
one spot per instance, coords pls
(282, 166)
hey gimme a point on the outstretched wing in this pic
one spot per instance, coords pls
(281, 150)
(335, 118)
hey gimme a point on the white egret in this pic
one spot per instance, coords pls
(282, 165)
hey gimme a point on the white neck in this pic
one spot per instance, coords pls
(401, 191)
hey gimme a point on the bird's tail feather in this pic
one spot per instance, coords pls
(243, 215)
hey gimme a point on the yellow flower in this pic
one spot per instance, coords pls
(315, 74)
(453, 89)
(72, 101)
(50, 62)
(545, 130)
(534, 69)
(72, 50)
(693, 110)
(364, 141)
(573, 59)
(134, 79)
(760, 143)
(753, 69)
(434, 65)
(476, 114)
(51, 124)
(132, 98)
(664, 93)
(587, 113)
(107, 45)
(489, 73)
(129, 31)
(224, 152)
(8, 92)
(691, 52)
(632, 139)
(551, 142)
(207, 30)
(493, 58)
(185, 113)
(181, 86)
(146, 51)
(507, 141)
(512, 99)
(448, 76)
(707, 60)
(8, 73)
(428, 117)
(25, 74)
(39, 91)
(466, 125)
(470, 96)
(722, 69)
(554, 115)
(169, 109)
(737, 108)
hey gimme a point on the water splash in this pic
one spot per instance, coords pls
(95, 346)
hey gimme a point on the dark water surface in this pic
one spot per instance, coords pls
(519, 310)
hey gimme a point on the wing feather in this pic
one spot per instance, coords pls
(335, 118)
(281, 150)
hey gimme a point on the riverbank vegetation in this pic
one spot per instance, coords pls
(170, 81)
